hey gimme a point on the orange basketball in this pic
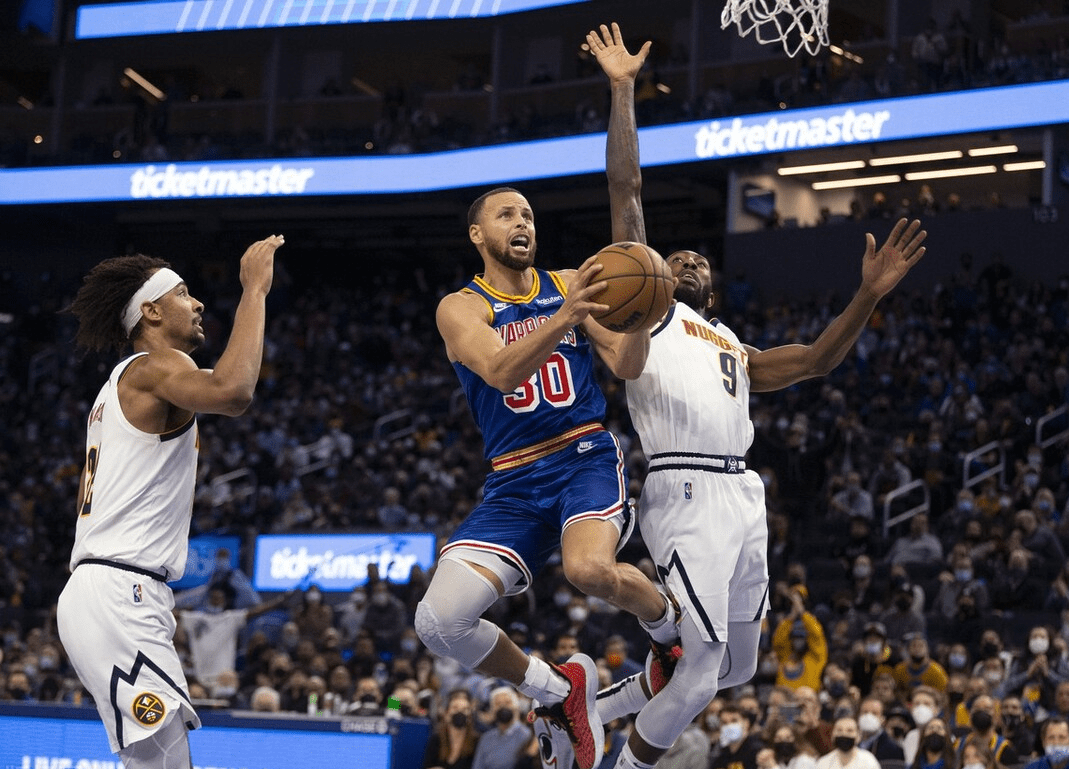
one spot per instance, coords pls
(640, 287)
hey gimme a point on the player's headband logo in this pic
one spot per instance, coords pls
(148, 709)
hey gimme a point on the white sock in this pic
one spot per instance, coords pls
(622, 699)
(627, 760)
(663, 630)
(544, 684)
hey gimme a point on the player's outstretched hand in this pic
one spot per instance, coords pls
(258, 264)
(881, 270)
(608, 48)
(578, 304)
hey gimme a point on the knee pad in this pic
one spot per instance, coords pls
(447, 619)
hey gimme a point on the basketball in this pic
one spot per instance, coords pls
(640, 287)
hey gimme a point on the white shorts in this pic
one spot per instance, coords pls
(708, 535)
(117, 628)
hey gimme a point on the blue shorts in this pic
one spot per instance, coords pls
(524, 510)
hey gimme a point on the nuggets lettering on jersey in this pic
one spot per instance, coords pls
(148, 709)
(561, 395)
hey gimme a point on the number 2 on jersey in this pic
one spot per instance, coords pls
(90, 474)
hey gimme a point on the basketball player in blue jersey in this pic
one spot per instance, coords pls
(522, 341)
(702, 513)
(115, 614)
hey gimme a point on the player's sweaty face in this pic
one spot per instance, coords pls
(509, 230)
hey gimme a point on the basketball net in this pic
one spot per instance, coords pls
(797, 24)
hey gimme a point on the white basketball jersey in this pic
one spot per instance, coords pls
(139, 489)
(693, 393)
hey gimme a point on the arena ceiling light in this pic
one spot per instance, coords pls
(1025, 165)
(924, 157)
(946, 173)
(845, 165)
(1003, 149)
(864, 181)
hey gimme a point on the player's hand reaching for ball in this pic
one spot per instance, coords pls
(881, 270)
(258, 264)
(582, 286)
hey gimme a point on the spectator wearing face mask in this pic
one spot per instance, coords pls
(314, 616)
(452, 743)
(738, 748)
(1054, 741)
(792, 752)
(799, 645)
(874, 656)
(925, 704)
(1037, 673)
(847, 754)
(897, 724)
(935, 747)
(983, 722)
(872, 735)
(502, 746)
(386, 618)
(902, 617)
(957, 580)
(919, 669)
(1017, 726)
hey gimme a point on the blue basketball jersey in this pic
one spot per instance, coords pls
(562, 395)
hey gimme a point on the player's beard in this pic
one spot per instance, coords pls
(695, 297)
(505, 257)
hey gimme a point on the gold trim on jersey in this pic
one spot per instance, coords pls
(511, 460)
(558, 281)
(516, 298)
(489, 307)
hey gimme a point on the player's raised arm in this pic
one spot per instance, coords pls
(881, 271)
(621, 148)
(464, 323)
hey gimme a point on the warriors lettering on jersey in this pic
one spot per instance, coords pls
(517, 329)
(706, 333)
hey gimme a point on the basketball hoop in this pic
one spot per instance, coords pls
(797, 24)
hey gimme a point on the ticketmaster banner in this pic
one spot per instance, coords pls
(721, 139)
(338, 562)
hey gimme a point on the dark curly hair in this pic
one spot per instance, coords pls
(100, 302)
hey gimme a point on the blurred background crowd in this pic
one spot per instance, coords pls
(961, 595)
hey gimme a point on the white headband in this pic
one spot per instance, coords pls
(162, 281)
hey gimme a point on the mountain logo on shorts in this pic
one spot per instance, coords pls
(148, 709)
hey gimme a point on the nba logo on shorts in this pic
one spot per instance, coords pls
(687, 491)
(137, 593)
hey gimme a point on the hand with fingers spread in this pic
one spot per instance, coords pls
(881, 270)
(608, 48)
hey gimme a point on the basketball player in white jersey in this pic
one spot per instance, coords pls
(702, 512)
(136, 494)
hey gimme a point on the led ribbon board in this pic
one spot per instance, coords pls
(721, 139)
(171, 16)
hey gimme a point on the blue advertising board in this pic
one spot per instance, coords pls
(839, 125)
(338, 562)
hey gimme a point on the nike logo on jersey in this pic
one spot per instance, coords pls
(585, 446)
(499, 306)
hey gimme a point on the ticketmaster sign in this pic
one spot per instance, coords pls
(841, 125)
(338, 561)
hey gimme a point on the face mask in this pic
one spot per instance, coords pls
(226, 692)
(965, 505)
(988, 649)
(18, 694)
(561, 598)
(835, 688)
(1031, 480)
(47, 663)
(369, 699)
(784, 750)
(730, 733)
(993, 677)
(934, 743)
(868, 723)
(577, 614)
(1011, 722)
(503, 715)
(977, 765)
(1038, 645)
(380, 599)
(712, 722)
(955, 697)
(1035, 460)
(862, 571)
(845, 744)
(459, 720)
(981, 720)
(898, 732)
(874, 649)
(1057, 753)
(313, 597)
(957, 660)
(917, 658)
(753, 716)
(904, 602)
(922, 714)
(963, 575)
(409, 645)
